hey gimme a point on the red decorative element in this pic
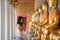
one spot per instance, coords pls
(26, 24)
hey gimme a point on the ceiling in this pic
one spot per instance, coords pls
(26, 0)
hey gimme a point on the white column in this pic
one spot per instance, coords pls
(14, 22)
(0, 19)
(10, 22)
(8, 18)
(6, 27)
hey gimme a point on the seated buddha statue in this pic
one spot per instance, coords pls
(54, 13)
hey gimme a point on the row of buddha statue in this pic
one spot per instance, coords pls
(46, 20)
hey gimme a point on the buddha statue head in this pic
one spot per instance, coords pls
(53, 3)
(40, 9)
(45, 6)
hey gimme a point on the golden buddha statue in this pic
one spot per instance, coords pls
(54, 11)
(45, 11)
(45, 6)
(40, 14)
(55, 35)
(54, 19)
(53, 15)
(44, 35)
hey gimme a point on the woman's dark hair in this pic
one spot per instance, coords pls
(19, 20)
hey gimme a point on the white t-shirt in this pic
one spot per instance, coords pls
(18, 33)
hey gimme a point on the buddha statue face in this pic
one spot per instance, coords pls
(45, 6)
(40, 9)
(53, 3)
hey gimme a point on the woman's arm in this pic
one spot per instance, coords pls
(19, 27)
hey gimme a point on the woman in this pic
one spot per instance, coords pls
(19, 31)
